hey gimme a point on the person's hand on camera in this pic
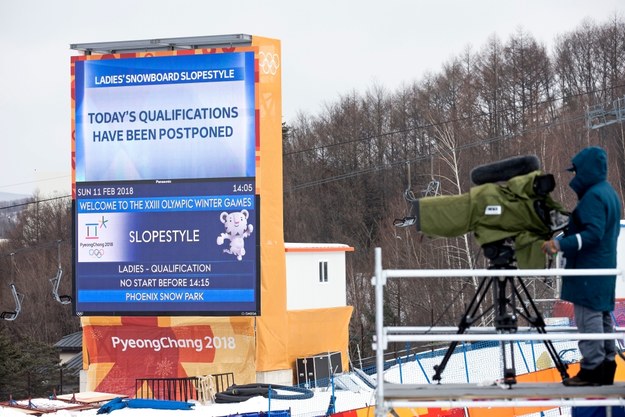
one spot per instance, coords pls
(551, 247)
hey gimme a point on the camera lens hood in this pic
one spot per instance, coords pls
(505, 169)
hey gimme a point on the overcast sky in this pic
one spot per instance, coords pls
(329, 48)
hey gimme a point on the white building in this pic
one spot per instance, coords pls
(315, 275)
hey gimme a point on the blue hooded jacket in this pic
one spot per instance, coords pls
(590, 241)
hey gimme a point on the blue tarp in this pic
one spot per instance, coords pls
(159, 404)
(114, 404)
(118, 403)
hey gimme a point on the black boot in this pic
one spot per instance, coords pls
(586, 377)
(609, 369)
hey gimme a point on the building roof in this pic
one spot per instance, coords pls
(317, 247)
(164, 44)
(74, 365)
(70, 342)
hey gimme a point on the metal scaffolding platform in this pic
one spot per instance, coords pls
(519, 395)
(390, 395)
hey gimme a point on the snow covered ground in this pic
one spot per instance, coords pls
(315, 406)
(344, 401)
(473, 366)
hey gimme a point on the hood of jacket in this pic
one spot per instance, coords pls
(591, 167)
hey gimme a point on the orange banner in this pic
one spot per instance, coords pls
(121, 350)
(272, 325)
(319, 330)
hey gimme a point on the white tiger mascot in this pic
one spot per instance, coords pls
(237, 229)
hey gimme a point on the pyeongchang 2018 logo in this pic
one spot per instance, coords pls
(93, 235)
(92, 229)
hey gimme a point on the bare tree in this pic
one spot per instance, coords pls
(346, 170)
(30, 261)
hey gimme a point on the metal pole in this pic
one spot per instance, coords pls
(523, 273)
(380, 339)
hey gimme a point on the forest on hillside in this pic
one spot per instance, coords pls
(347, 168)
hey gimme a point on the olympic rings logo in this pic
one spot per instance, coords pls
(98, 253)
(269, 63)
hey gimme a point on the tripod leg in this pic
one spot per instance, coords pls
(465, 322)
(506, 322)
(535, 318)
(505, 319)
(509, 368)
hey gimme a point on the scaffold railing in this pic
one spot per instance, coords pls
(393, 395)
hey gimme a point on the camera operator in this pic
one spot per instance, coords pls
(590, 242)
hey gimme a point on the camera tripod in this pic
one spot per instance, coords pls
(506, 296)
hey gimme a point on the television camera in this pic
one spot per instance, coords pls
(510, 212)
(510, 201)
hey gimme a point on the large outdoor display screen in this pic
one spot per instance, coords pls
(165, 210)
